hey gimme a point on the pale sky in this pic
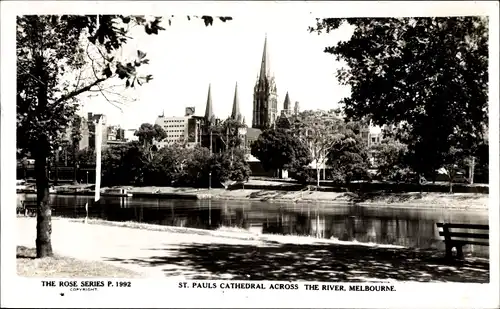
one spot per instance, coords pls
(187, 56)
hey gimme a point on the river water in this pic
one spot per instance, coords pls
(406, 227)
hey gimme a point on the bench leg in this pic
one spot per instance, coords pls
(460, 253)
(449, 247)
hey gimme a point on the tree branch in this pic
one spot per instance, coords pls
(79, 91)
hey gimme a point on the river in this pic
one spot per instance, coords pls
(406, 227)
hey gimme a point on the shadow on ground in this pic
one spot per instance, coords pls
(316, 262)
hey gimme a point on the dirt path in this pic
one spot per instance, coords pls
(193, 256)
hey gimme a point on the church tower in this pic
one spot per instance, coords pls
(287, 106)
(209, 114)
(236, 114)
(265, 101)
(296, 109)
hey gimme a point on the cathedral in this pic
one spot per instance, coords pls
(265, 104)
(265, 99)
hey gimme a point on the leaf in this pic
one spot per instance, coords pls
(107, 72)
(208, 20)
(141, 54)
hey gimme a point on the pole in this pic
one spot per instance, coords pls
(98, 150)
(209, 212)
(87, 177)
(210, 141)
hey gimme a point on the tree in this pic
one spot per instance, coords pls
(389, 157)
(453, 161)
(348, 156)
(196, 168)
(230, 166)
(148, 133)
(279, 149)
(426, 76)
(123, 164)
(320, 130)
(167, 166)
(52, 53)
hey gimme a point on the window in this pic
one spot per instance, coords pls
(373, 139)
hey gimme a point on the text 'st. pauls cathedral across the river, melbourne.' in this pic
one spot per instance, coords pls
(194, 129)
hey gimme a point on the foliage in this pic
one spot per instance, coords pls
(453, 161)
(148, 132)
(320, 131)
(279, 149)
(124, 164)
(284, 123)
(86, 156)
(348, 157)
(481, 173)
(426, 76)
(173, 165)
(229, 132)
(389, 156)
(166, 166)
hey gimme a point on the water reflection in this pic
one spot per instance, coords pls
(407, 227)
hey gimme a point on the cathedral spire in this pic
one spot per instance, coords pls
(265, 70)
(286, 104)
(236, 114)
(209, 115)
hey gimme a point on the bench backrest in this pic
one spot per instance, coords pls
(29, 203)
(448, 234)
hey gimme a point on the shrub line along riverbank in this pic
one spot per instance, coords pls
(425, 200)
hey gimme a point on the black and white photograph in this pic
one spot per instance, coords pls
(249, 149)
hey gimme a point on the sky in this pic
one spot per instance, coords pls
(187, 57)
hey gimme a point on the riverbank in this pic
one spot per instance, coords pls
(424, 200)
(185, 254)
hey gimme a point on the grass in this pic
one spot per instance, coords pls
(65, 267)
(234, 233)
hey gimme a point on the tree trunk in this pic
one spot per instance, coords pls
(451, 185)
(44, 213)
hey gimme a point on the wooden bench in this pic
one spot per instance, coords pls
(458, 239)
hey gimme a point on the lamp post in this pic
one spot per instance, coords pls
(87, 177)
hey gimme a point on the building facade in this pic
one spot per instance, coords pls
(175, 127)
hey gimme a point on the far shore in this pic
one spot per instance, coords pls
(424, 200)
